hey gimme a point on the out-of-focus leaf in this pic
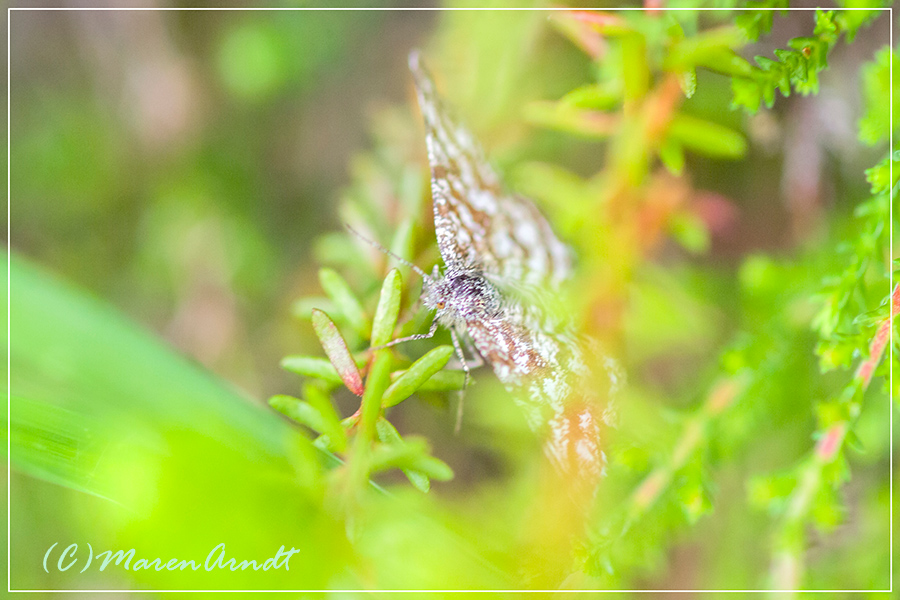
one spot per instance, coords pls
(389, 435)
(702, 48)
(594, 97)
(302, 308)
(570, 119)
(410, 454)
(671, 154)
(874, 125)
(690, 232)
(332, 421)
(706, 137)
(346, 301)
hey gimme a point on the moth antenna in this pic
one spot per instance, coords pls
(378, 246)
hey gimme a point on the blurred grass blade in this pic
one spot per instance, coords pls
(416, 375)
(336, 349)
(89, 388)
(346, 301)
(57, 445)
(388, 309)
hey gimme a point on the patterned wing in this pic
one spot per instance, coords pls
(547, 373)
(476, 222)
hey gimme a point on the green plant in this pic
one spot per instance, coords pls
(645, 67)
(753, 441)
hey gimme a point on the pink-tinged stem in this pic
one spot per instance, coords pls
(720, 397)
(831, 442)
(879, 342)
(787, 563)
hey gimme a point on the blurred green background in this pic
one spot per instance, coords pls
(177, 179)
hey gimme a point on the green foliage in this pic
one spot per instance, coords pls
(752, 319)
(851, 324)
(797, 67)
(755, 24)
(875, 122)
(376, 444)
(134, 439)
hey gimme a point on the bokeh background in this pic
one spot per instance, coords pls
(178, 179)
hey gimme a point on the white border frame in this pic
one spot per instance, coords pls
(9, 11)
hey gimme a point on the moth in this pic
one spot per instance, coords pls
(502, 261)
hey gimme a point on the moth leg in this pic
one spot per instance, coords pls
(477, 360)
(409, 338)
(465, 366)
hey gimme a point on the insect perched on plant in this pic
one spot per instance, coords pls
(500, 259)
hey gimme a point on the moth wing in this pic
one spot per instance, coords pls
(477, 222)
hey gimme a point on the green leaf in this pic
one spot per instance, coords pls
(376, 383)
(570, 119)
(771, 492)
(347, 303)
(672, 156)
(412, 454)
(635, 70)
(690, 231)
(443, 381)
(299, 411)
(596, 96)
(687, 80)
(702, 48)
(388, 434)
(874, 126)
(388, 309)
(302, 308)
(706, 137)
(336, 349)
(417, 374)
(312, 366)
(332, 421)
(694, 501)
(756, 23)
(403, 244)
(746, 94)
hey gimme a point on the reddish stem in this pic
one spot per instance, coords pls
(879, 342)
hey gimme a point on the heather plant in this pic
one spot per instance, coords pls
(733, 253)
